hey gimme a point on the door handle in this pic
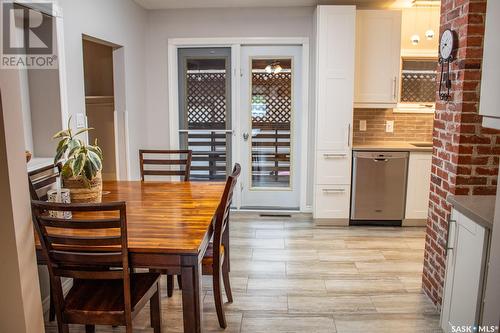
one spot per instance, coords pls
(334, 155)
(448, 236)
(333, 190)
(380, 159)
(246, 136)
(349, 135)
(394, 88)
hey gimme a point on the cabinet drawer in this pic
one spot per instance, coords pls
(332, 201)
(333, 167)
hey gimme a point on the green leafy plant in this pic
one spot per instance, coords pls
(79, 159)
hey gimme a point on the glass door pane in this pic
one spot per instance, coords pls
(204, 106)
(271, 113)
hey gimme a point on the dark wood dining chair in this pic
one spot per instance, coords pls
(92, 249)
(40, 182)
(158, 163)
(215, 261)
(182, 167)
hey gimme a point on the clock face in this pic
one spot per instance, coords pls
(446, 44)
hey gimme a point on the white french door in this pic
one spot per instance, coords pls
(271, 100)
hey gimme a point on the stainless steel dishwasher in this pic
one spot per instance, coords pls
(378, 186)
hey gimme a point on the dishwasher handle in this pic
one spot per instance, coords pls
(380, 156)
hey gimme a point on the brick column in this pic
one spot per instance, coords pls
(465, 155)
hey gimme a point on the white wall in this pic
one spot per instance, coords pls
(418, 21)
(45, 110)
(20, 306)
(199, 23)
(121, 22)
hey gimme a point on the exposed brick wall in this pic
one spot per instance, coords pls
(465, 157)
(411, 127)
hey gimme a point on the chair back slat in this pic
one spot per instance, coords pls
(82, 259)
(85, 241)
(164, 173)
(222, 215)
(55, 222)
(165, 162)
(159, 163)
(42, 180)
(90, 275)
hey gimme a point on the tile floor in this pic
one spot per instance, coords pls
(290, 276)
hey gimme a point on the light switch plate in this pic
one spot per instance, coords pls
(389, 126)
(80, 120)
(362, 125)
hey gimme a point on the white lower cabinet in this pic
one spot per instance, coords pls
(417, 191)
(465, 267)
(334, 167)
(332, 201)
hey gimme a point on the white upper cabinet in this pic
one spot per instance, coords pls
(490, 97)
(335, 76)
(378, 52)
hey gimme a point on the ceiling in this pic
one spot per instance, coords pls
(173, 4)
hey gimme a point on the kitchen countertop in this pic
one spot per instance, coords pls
(479, 208)
(391, 146)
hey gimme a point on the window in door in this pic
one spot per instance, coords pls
(204, 107)
(418, 84)
(271, 113)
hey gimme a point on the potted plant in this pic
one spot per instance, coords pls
(81, 165)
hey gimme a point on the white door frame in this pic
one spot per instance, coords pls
(120, 114)
(235, 44)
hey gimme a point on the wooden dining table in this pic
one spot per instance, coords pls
(169, 226)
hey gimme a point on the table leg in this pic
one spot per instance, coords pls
(191, 299)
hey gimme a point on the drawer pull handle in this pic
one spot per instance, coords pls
(333, 190)
(449, 235)
(334, 155)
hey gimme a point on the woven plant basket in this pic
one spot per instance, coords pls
(80, 193)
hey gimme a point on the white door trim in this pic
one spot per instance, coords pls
(235, 44)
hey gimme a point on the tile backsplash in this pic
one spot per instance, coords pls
(407, 126)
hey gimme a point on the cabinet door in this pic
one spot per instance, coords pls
(419, 179)
(464, 276)
(378, 52)
(490, 81)
(332, 201)
(335, 76)
(333, 168)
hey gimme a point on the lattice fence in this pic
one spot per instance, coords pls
(206, 100)
(418, 87)
(275, 92)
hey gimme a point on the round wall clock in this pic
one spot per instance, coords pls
(447, 46)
